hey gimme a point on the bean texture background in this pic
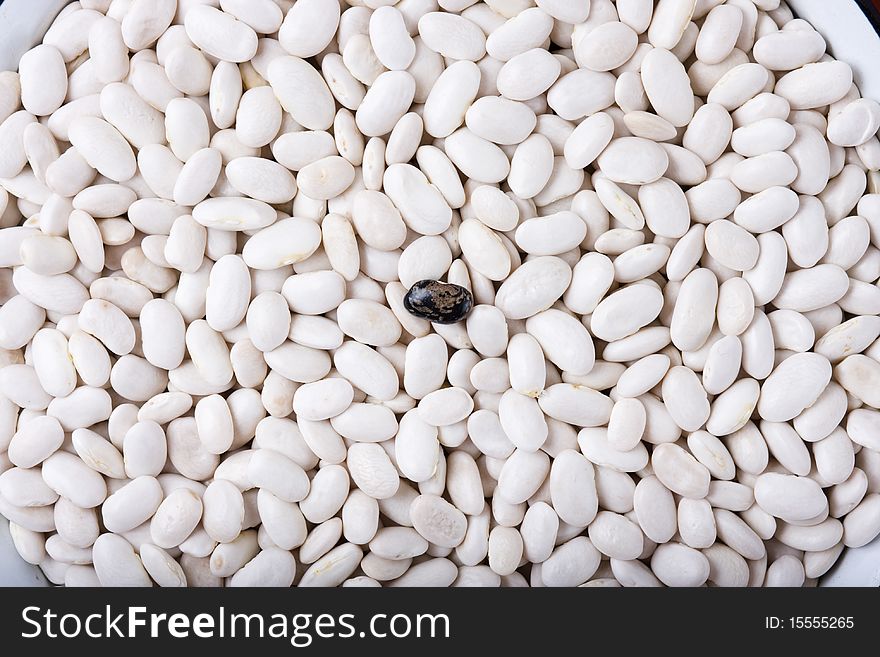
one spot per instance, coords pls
(494, 293)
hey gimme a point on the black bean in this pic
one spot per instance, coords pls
(444, 303)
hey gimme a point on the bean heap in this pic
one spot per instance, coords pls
(213, 210)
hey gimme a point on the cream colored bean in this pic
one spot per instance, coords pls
(695, 306)
(655, 509)
(452, 36)
(307, 30)
(738, 85)
(117, 564)
(220, 34)
(109, 324)
(646, 161)
(789, 49)
(720, 32)
(176, 518)
(680, 472)
(528, 75)
(438, 521)
(532, 163)
(270, 567)
(685, 398)
(667, 86)
(573, 488)
(522, 475)
(616, 536)
(522, 420)
(572, 563)
(43, 80)
(612, 319)
(547, 277)
(814, 85)
(372, 471)
(103, 147)
(520, 33)
(421, 205)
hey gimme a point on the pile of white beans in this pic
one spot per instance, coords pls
(211, 213)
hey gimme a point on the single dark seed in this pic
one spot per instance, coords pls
(444, 303)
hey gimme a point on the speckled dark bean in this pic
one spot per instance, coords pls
(444, 303)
